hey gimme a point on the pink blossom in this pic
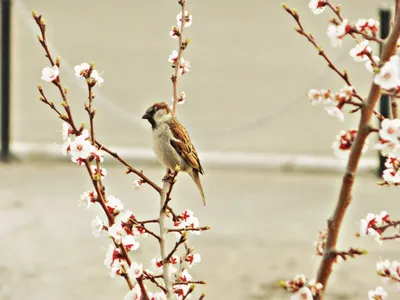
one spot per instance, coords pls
(130, 243)
(361, 51)
(95, 172)
(50, 74)
(337, 32)
(97, 225)
(369, 26)
(389, 75)
(134, 294)
(184, 66)
(188, 19)
(173, 57)
(135, 270)
(317, 6)
(377, 294)
(193, 259)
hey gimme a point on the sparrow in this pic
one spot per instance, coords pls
(172, 144)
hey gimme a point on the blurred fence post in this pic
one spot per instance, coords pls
(5, 78)
(385, 15)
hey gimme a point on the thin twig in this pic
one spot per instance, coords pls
(130, 168)
(189, 229)
(190, 282)
(153, 280)
(177, 244)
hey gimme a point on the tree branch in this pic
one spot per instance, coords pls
(335, 222)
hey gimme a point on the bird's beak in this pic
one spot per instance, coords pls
(146, 116)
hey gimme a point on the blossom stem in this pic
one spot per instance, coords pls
(191, 282)
(174, 77)
(153, 280)
(127, 279)
(177, 244)
(335, 222)
(321, 52)
(130, 168)
(189, 229)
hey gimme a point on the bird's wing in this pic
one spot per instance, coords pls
(183, 145)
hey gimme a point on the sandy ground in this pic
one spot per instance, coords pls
(263, 228)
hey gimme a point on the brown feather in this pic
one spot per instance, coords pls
(184, 145)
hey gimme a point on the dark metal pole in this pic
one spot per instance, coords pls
(5, 78)
(385, 15)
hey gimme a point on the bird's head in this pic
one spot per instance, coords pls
(158, 113)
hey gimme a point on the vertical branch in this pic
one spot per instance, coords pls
(335, 222)
(163, 241)
(168, 184)
(169, 181)
(393, 100)
(174, 77)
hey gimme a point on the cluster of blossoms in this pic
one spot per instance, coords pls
(378, 294)
(389, 145)
(370, 225)
(389, 270)
(339, 29)
(332, 102)
(124, 231)
(369, 26)
(391, 173)
(388, 77)
(175, 33)
(83, 70)
(182, 276)
(344, 140)
(81, 148)
(136, 294)
(126, 226)
(186, 221)
(302, 288)
(86, 71)
(336, 32)
(363, 53)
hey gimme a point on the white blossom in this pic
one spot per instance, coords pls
(49, 74)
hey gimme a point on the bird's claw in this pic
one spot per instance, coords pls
(169, 177)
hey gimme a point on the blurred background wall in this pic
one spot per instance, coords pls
(246, 90)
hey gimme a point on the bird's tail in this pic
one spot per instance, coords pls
(196, 178)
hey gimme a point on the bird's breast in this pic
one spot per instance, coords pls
(163, 149)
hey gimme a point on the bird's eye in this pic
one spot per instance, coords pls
(155, 108)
